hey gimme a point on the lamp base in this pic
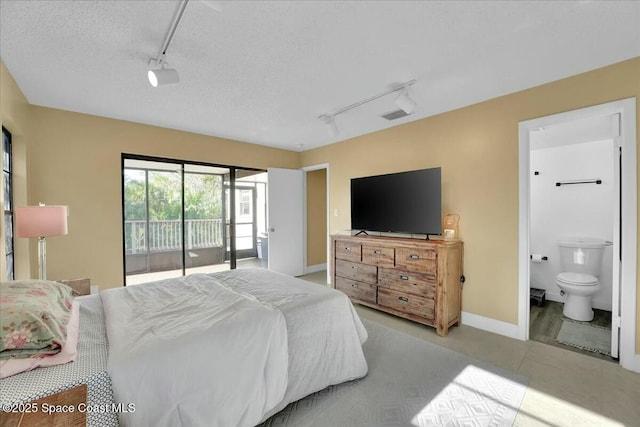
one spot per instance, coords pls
(42, 258)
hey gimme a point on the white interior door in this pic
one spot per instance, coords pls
(285, 221)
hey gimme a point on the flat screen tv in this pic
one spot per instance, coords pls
(404, 202)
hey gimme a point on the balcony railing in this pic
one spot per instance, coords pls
(166, 235)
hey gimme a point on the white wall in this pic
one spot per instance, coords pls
(584, 210)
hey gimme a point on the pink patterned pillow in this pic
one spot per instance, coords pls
(33, 316)
(67, 354)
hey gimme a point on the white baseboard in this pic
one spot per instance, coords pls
(555, 296)
(634, 365)
(491, 325)
(315, 268)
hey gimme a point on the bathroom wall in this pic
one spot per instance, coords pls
(584, 210)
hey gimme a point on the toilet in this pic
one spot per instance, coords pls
(581, 260)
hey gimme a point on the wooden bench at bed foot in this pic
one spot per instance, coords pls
(56, 410)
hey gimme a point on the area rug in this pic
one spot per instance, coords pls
(585, 336)
(412, 383)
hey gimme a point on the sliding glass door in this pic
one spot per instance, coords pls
(205, 218)
(183, 218)
(152, 219)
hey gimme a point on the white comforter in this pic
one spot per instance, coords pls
(325, 334)
(192, 352)
(229, 348)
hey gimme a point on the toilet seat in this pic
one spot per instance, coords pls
(577, 279)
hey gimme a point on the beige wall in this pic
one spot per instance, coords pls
(14, 112)
(477, 148)
(316, 217)
(74, 160)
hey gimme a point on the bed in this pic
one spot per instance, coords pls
(228, 348)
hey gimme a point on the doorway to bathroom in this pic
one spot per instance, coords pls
(572, 197)
(578, 183)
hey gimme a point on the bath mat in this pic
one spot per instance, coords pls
(585, 336)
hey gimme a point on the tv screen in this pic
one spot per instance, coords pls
(405, 202)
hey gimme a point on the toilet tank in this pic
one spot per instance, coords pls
(582, 255)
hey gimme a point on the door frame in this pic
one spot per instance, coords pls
(305, 170)
(628, 265)
(182, 162)
(243, 253)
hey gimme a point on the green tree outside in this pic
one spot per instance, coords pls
(202, 199)
(202, 196)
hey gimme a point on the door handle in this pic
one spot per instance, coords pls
(271, 230)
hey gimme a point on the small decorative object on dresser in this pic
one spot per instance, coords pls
(450, 224)
(416, 279)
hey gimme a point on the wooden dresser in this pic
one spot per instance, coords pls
(416, 279)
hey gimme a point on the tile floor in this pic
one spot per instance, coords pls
(545, 323)
(565, 388)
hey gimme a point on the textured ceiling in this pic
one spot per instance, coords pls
(263, 71)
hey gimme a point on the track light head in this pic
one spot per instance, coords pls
(163, 76)
(405, 103)
(330, 123)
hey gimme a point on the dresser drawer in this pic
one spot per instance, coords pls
(416, 259)
(355, 271)
(348, 250)
(378, 255)
(423, 284)
(406, 303)
(357, 290)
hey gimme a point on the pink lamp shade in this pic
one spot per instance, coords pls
(41, 221)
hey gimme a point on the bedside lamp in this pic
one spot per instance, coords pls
(41, 222)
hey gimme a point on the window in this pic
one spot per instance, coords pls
(179, 217)
(7, 179)
(246, 202)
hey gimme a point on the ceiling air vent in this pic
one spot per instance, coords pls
(394, 115)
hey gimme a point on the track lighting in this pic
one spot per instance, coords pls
(332, 128)
(162, 75)
(403, 101)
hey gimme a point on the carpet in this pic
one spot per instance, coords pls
(585, 336)
(411, 383)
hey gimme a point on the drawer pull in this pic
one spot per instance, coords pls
(404, 299)
(354, 285)
(377, 252)
(414, 257)
(404, 277)
(347, 249)
(354, 267)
